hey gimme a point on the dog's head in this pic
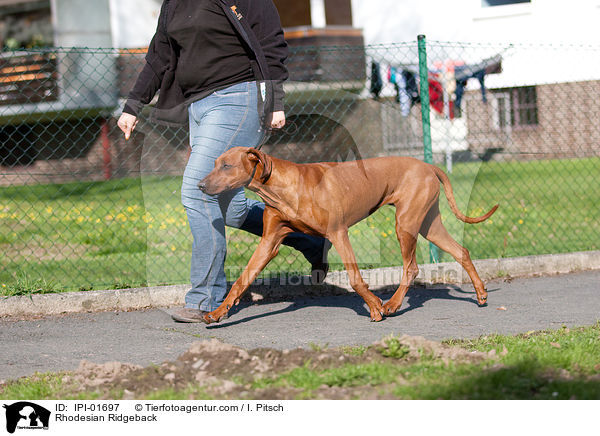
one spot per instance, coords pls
(235, 168)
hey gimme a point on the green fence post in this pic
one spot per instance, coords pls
(434, 254)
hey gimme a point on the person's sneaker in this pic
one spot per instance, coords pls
(190, 315)
(320, 268)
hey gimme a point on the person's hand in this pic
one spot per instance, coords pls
(127, 123)
(278, 120)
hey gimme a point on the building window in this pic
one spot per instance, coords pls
(490, 3)
(516, 107)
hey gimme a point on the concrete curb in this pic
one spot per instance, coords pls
(285, 287)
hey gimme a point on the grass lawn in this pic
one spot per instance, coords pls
(133, 232)
(558, 364)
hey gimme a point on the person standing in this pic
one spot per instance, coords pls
(219, 67)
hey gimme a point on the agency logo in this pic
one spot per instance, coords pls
(238, 15)
(26, 416)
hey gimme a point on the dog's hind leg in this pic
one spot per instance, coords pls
(341, 242)
(433, 230)
(410, 269)
(412, 206)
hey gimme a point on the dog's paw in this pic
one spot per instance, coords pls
(389, 308)
(211, 318)
(377, 315)
(482, 300)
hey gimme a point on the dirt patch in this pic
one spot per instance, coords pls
(90, 374)
(224, 371)
(418, 347)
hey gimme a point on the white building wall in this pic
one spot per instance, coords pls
(553, 40)
(541, 21)
(133, 22)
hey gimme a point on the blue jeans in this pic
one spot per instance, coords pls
(220, 121)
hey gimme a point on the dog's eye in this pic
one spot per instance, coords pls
(225, 166)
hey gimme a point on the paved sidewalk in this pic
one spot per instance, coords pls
(446, 311)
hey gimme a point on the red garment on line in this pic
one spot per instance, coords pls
(436, 98)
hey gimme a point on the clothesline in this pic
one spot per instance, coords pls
(447, 83)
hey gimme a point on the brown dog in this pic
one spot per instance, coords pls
(327, 198)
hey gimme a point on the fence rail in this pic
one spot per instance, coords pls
(82, 208)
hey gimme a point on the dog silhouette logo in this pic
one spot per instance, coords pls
(26, 415)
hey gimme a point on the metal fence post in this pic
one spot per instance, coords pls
(434, 255)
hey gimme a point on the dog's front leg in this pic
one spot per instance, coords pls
(268, 247)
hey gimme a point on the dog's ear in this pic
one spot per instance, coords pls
(258, 157)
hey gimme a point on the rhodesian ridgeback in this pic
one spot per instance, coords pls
(327, 198)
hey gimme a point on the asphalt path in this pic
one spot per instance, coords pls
(441, 312)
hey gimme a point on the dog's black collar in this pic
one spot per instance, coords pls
(263, 178)
(253, 173)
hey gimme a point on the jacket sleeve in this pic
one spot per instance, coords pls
(150, 78)
(266, 25)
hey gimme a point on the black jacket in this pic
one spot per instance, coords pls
(258, 25)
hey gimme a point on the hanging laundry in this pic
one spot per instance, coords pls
(436, 98)
(477, 71)
(461, 84)
(376, 81)
(450, 76)
(446, 72)
(411, 87)
(407, 93)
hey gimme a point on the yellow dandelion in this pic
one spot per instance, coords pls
(49, 209)
(520, 221)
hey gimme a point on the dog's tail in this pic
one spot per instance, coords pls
(443, 178)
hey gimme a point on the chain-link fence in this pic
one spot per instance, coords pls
(82, 208)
